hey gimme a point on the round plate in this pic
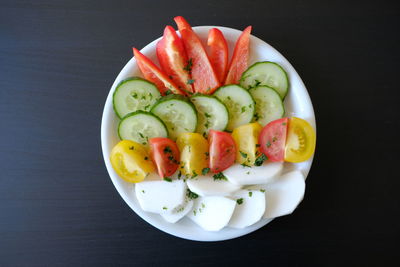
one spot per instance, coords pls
(297, 103)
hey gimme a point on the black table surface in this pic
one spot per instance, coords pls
(58, 60)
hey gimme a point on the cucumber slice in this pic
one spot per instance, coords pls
(269, 105)
(266, 73)
(239, 103)
(140, 126)
(211, 112)
(177, 113)
(134, 94)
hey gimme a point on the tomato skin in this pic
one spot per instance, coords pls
(165, 154)
(204, 79)
(218, 55)
(152, 73)
(300, 142)
(240, 58)
(273, 138)
(131, 161)
(246, 139)
(222, 150)
(194, 153)
(173, 59)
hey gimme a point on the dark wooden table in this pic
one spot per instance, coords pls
(58, 60)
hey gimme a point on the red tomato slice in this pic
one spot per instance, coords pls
(204, 78)
(272, 139)
(165, 154)
(218, 53)
(173, 59)
(240, 58)
(152, 73)
(222, 151)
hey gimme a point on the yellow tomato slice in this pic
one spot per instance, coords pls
(300, 141)
(194, 153)
(246, 139)
(131, 161)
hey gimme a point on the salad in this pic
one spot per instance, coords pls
(205, 136)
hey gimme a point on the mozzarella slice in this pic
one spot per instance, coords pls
(160, 196)
(250, 210)
(284, 195)
(212, 213)
(179, 212)
(207, 186)
(242, 175)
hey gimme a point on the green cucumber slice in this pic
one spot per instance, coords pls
(239, 103)
(266, 73)
(140, 126)
(134, 94)
(269, 105)
(178, 114)
(211, 112)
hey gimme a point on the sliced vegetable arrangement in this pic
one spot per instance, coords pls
(206, 137)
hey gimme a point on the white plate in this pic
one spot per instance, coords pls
(297, 103)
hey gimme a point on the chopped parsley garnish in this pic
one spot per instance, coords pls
(258, 145)
(250, 194)
(179, 175)
(205, 171)
(283, 123)
(131, 148)
(167, 149)
(243, 109)
(239, 201)
(135, 95)
(219, 176)
(244, 155)
(143, 191)
(191, 195)
(207, 115)
(141, 135)
(189, 65)
(248, 172)
(256, 116)
(147, 106)
(207, 154)
(244, 165)
(164, 208)
(259, 161)
(146, 158)
(257, 82)
(268, 144)
(262, 190)
(191, 81)
(194, 174)
(274, 139)
(167, 179)
(168, 92)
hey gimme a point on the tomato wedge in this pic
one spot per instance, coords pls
(272, 139)
(300, 142)
(204, 79)
(152, 73)
(130, 161)
(165, 154)
(246, 139)
(173, 59)
(222, 151)
(194, 154)
(240, 58)
(218, 53)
